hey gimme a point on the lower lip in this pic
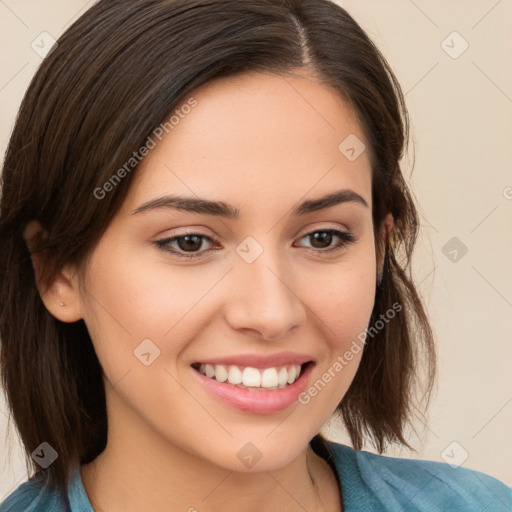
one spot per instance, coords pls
(256, 402)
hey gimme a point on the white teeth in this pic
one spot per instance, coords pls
(234, 375)
(251, 377)
(292, 372)
(267, 378)
(220, 373)
(209, 370)
(282, 377)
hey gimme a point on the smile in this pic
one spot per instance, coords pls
(248, 377)
(258, 389)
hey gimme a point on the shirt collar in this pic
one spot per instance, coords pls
(77, 497)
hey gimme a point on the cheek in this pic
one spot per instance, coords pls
(341, 303)
(342, 297)
(130, 300)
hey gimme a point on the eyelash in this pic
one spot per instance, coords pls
(345, 237)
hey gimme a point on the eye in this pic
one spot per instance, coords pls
(322, 239)
(187, 243)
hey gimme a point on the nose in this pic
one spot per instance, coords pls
(264, 298)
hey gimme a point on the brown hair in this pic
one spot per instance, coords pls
(115, 75)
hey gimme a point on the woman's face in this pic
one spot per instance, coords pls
(270, 278)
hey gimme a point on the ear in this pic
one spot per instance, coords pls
(61, 296)
(386, 229)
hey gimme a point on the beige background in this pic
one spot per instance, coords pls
(461, 109)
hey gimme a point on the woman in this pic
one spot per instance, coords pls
(201, 223)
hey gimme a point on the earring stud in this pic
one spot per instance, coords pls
(61, 304)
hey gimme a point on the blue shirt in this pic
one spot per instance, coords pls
(369, 482)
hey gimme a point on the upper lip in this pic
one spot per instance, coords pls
(260, 360)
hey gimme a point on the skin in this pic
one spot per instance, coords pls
(261, 143)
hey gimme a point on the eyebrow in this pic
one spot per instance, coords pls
(221, 209)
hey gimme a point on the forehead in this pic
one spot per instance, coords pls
(254, 136)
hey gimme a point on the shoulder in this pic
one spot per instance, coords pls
(34, 495)
(411, 484)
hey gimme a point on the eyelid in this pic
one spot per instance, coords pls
(322, 227)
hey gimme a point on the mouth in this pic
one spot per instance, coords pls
(254, 389)
(251, 378)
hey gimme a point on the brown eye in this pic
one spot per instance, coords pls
(190, 243)
(322, 239)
